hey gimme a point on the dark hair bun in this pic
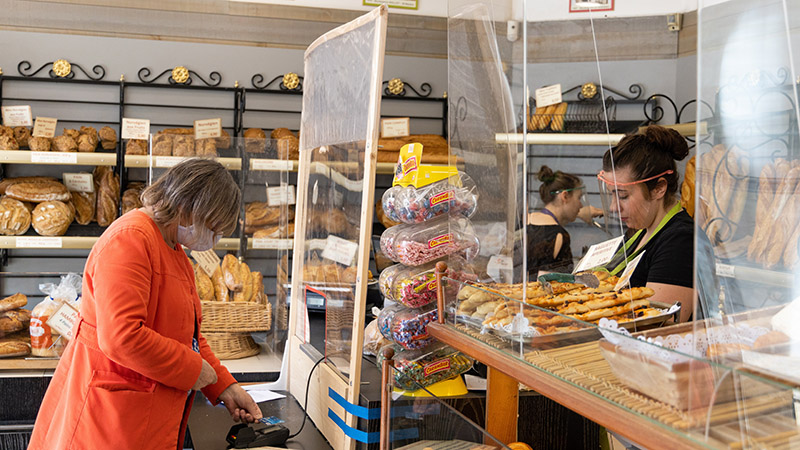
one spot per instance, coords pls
(667, 140)
(546, 175)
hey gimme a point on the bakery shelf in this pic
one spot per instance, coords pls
(28, 363)
(685, 129)
(169, 161)
(756, 274)
(58, 158)
(42, 242)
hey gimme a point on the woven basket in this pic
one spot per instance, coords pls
(231, 345)
(236, 317)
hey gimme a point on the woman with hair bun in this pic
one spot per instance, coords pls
(548, 240)
(641, 178)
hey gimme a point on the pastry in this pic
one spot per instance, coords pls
(205, 288)
(84, 203)
(22, 134)
(39, 144)
(183, 146)
(8, 143)
(107, 188)
(64, 144)
(255, 140)
(137, 147)
(232, 273)
(85, 143)
(221, 292)
(15, 219)
(108, 138)
(6, 182)
(72, 133)
(38, 191)
(13, 302)
(288, 147)
(769, 339)
(51, 218)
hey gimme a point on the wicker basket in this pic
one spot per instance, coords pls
(231, 345)
(236, 317)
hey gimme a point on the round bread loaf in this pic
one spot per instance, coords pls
(52, 218)
(15, 219)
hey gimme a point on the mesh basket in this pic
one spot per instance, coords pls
(231, 345)
(236, 317)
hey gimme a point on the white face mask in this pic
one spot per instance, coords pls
(197, 238)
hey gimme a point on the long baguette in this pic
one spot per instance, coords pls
(766, 193)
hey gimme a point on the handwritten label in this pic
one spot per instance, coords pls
(168, 161)
(625, 278)
(64, 319)
(500, 268)
(207, 128)
(38, 242)
(17, 116)
(79, 182)
(281, 195)
(599, 254)
(270, 165)
(548, 95)
(45, 127)
(207, 260)
(135, 128)
(725, 270)
(54, 157)
(272, 243)
(339, 250)
(398, 127)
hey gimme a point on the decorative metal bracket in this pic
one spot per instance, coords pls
(180, 75)
(61, 68)
(588, 91)
(289, 82)
(397, 88)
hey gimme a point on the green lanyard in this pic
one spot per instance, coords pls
(672, 212)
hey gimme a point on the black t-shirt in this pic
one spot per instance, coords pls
(542, 243)
(668, 257)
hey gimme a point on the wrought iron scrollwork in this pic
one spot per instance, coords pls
(458, 114)
(61, 69)
(589, 91)
(397, 88)
(214, 78)
(295, 83)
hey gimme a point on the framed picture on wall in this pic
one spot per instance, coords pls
(595, 5)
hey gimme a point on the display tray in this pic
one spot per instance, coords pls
(577, 336)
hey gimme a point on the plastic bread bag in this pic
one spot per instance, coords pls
(415, 287)
(414, 245)
(422, 368)
(45, 342)
(407, 327)
(373, 339)
(68, 290)
(454, 195)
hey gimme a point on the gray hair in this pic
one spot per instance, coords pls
(198, 189)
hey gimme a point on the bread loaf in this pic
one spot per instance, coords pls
(107, 188)
(12, 347)
(85, 143)
(137, 147)
(288, 147)
(91, 139)
(769, 234)
(84, 203)
(131, 198)
(71, 133)
(766, 193)
(7, 131)
(8, 143)
(15, 219)
(39, 144)
(255, 140)
(6, 182)
(246, 294)
(260, 214)
(205, 288)
(22, 135)
(558, 117)
(108, 138)
(13, 302)
(183, 146)
(51, 218)
(64, 144)
(258, 288)
(38, 191)
(206, 147)
(224, 141)
(221, 292)
(275, 232)
(232, 273)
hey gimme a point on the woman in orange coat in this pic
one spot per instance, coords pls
(128, 378)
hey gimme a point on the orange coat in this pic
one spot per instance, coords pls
(124, 382)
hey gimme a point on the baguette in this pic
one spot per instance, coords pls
(782, 195)
(558, 117)
(221, 292)
(246, 294)
(205, 288)
(231, 273)
(548, 116)
(766, 193)
(13, 302)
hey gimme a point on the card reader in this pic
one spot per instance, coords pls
(259, 434)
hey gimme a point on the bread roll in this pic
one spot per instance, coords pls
(221, 292)
(64, 144)
(22, 135)
(255, 140)
(205, 288)
(8, 143)
(85, 143)
(278, 133)
(38, 191)
(6, 182)
(137, 147)
(232, 273)
(39, 144)
(51, 218)
(84, 203)
(13, 302)
(108, 138)
(71, 133)
(15, 219)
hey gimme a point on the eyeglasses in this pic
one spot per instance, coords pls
(567, 190)
(602, 177)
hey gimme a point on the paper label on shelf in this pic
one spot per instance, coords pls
(272, 165)
(725, 270)
(281, 195)
(208, 261)
(625, 278)
(599, 254)
(208, 128)
(500, 268)
(17, 116)
(39, 242)
(272, 243)
(135, 128)
(548, 95)
(54, 157)
(64, 319)
(168, 161)
(79, 182)
(396, 127)
(45, 127)
(340, 250)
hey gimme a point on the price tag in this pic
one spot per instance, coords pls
(398, 127)
(17, 116)
(598, 254)
(500, 268)
(135, 128)
(79, 182)
(54, 157)
(208, 261)
(725, 270)
(272, 243)
(207, 128)
(38, 242)
(168, 161)
(281, 195)
(270, 165)
(625, 278)
(64, 319)
(339, 250)
(548, 95)
(45, 127)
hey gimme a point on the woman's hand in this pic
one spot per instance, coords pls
(240, 404)
(207, 377)
(588, 212)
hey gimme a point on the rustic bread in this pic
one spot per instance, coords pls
(137, 147)
(71, 133)
(183, 145)
(64, 144)
(255, 140)
(232, 273)
(39, 144)
(22, 135)
(38, 191)
(85, 204)
(8, 143)
(221, 292)
(246, 294)
(6, 182)
(107, 188)
(13, 302)
(131, 199)
(205, 288)
(52, 218)
(224, 141)
(206, 147)
(108, 138)
(278, 133)
(15, 219)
